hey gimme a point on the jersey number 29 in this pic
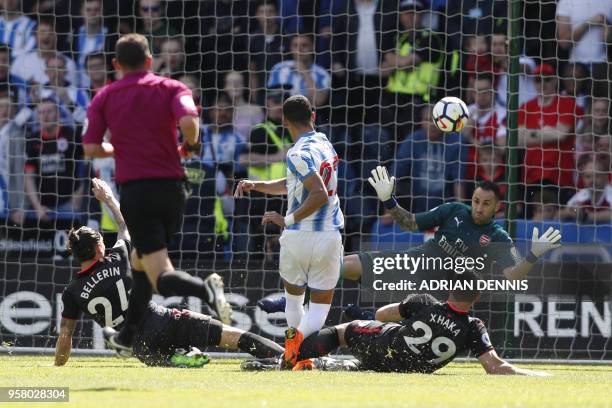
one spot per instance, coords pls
(326, 170)
(108, 307)
(435, 344)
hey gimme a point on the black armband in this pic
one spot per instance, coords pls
(531, 258)
(390, 203)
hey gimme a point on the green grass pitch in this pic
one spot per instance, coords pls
(112, 383)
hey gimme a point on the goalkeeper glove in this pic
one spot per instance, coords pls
(540, 245)
(384, 186)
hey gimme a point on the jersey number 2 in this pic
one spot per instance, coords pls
(326, 170)
(108, 307)
(435, 344)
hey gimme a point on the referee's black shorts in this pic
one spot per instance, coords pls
(153, 211)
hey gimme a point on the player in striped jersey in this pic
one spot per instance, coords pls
(16, 30)
(311, 244)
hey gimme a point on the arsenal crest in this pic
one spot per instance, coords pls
(484, 240)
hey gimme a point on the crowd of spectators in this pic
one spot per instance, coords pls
(372, 69)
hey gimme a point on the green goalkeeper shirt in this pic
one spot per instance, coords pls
(458, 236)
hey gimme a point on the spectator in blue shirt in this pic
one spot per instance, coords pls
(91, 37)
(72, 101)
(226, 144)
(429, 166)
(301, 73)
(16, 29)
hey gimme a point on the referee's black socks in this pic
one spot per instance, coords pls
(140, 296)
(259, 346)
(179, 283)
(319, 344)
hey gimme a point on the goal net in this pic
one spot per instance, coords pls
(372, 70)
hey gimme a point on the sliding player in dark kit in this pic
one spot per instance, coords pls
(100, 291)
(418, 335)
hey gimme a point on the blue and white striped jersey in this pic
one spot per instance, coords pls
(284, 73)
(314, 153)
(86, 44)
(18, 34)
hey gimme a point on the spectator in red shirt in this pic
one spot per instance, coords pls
(592, 203)
(546, 129)
(485, 125)
(52, 170)
(141, 111)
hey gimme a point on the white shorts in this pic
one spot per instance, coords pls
(311, 258)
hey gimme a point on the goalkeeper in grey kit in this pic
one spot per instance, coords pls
(463, 231)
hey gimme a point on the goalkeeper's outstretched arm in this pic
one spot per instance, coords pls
(404, 218)
(63, 347)
(493, 364)
(539, 246)
(384, 186)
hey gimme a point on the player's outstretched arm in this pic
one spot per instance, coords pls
(272, 187)
(104, 194)
(493, 364)
(63, 347)
(384, 186)
(539, 246)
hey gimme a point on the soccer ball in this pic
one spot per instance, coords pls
(450, 114)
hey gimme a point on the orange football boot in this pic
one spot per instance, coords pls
(293, 341)
(303, 365)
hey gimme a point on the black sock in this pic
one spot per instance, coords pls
(179, 283)
(319, 344)
(259, 346)
(140, 296)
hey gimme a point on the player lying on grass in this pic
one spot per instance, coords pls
(418, 335)
(100, 291)
(463, 231)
